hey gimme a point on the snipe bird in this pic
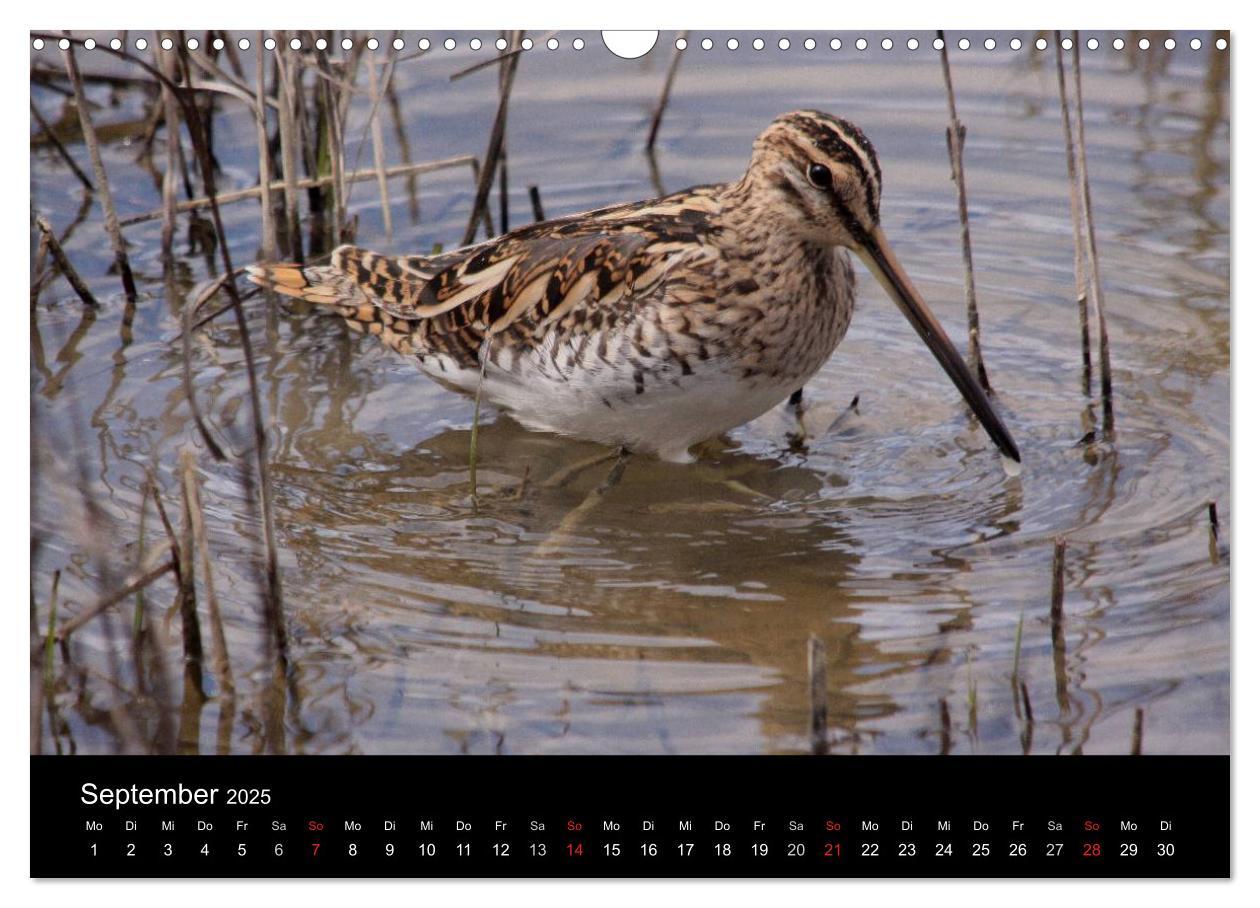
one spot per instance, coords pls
(652, 325)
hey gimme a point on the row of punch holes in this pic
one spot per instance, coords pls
(681, 43)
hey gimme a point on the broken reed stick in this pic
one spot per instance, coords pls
(63, 263)
(61, 149)
(1091, 248)
(1078, 229)
(218, 639)
(1056, 584)
(1214, 534)
(190, 624)
(269, 246)
(98, 171)
(357, 176)
(535, 201)
(816, 669)
(1139, 720)
(128, 590)
(494, 144)
(956, 135)
(668, 87)
(946, 722)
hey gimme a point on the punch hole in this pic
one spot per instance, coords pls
(346, 43)
(1092, 44)
(964, 43)
(886, 44)
(373, 44)
(527, 44)
(629, 45)
(141, 43)
(732, 44)
(706, 44)
(1144, 43)
(269, 43)
(449, 44)
(552, 44)
(1170, 44)
(1067, 43)
(937, 43)
(784, 44)
(1042, 44)
(243, 44)
(578, 44)
(912, 43)
(398, 44)
(860, 44)
(193, 44)
(835, 44)
(424, 44)
(218, 44)
(475, 44)
(810, 43)
(89, 44)
(681, 44)
(295, 43)
(1016, 44)
(1221, 44)
(167, 44)
(38, 44)
(758, 44)
(1118, 44)
(989, 44)
(500, 44)
(1195, 44)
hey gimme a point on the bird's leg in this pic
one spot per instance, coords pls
(796, 403)
(574, 518)
(566, 474)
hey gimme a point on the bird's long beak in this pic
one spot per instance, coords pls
(879, 258)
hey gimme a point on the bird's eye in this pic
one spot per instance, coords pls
(820, 176)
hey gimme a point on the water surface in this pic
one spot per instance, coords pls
(672, 617)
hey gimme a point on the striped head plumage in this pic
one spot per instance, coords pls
(823, 175)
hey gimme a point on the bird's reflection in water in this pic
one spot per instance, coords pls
(726, 561)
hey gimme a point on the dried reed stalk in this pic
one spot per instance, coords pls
(378, 149)
(535, 201)
(61, 149)
(1091, 249)
(98, 171)
(63, 263)
(955, 136)
(218, 639)
(129, 588)
(269, 245)
(668, 87)
(357, 176)
(170, 114)
(289, 151)
(1078, 230)
(494, 145)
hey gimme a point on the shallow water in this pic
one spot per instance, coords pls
(673, 615)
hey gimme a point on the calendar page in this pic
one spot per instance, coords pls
(703, 453)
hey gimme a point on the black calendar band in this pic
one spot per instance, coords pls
(690, 816)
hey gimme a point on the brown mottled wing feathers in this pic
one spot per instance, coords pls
(569, 271)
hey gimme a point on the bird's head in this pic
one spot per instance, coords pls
(818, 178)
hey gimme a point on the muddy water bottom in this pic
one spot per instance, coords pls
(671, 614)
